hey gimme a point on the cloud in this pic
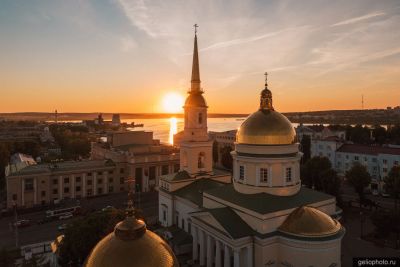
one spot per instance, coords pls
(358, 19)
(128, 43)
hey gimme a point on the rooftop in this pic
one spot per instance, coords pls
(369, 150)
(264, 203)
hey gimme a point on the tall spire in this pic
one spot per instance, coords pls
(195, 65)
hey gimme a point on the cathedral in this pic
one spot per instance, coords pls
(258, 216)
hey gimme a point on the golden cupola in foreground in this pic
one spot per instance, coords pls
(266, 126)
(131, 245)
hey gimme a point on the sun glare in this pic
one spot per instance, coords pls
(172, 102)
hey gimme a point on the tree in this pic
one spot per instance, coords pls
(305, 148)
(83, 234)
(317, 173)
(359, 178)
(226, 157)
(379, 134)
(215, 151)
(6, 258)
(392, 184)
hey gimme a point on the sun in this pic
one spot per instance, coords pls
(172, 102)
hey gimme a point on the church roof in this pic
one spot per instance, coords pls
(264, 203)
(194, 191)
(231, 222)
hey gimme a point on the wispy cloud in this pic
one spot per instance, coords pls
(358, 19)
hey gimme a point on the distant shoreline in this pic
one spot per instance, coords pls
(370, 116)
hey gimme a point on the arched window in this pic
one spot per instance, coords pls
(184, 160)
(200, 118)
(200, 160)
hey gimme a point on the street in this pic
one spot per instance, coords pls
(36, 233)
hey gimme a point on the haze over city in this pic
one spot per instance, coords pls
(127, 56)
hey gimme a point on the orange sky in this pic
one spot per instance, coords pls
(125, 56)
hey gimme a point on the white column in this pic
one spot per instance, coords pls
(236, 257)
(227, 257)
(35, 191)
(195, 244)
(249, 255)
(23, 193)
(217, 253)
(83, 187)
(202, 248)
(73, 193)
(209, 251)
(94, 193)
(60, 187)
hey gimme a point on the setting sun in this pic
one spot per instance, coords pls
(172, 102)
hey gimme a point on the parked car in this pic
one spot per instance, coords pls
(22, 223)
(62, 227)
(108, 208)
(66, 216)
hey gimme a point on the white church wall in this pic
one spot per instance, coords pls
(183, 207)
(165, 203)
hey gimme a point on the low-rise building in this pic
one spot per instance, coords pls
(139, 156)
(43, 184)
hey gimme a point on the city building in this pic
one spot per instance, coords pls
(222, 141)
(138, 155)
(318, 132)
(378, 160)
(262, 216)
(42, 184)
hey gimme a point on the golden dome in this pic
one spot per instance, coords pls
(309, 222)
(131, 245)
(266, 126)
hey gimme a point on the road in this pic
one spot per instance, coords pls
(36, 233)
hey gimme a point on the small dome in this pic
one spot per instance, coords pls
(131, 245)
(266, 127)
(195, 99)
(309, 222)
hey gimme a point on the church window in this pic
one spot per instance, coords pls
(288, 175)
(263, 175)
(164, 215)
(200, 163)
(200, 118)
(241, 172)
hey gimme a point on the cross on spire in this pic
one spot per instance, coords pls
(195, 28)
(130, 209)
(266, 79)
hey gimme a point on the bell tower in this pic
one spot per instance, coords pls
(196, 148)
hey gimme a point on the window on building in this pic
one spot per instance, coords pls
(121, 170)
(241, 172)
(89, 174)
(201, 160)
(110, 172)
(66, 180)
(89, 192)
(183, 223)
(43, 181)
(78, 189)
(55, 181)
(99, 181)
(356, 157)
(89, 182)
(339, 163)
(384, 170)
(43, 193)
(365, 159)
(122, 189)
(288, 175)
(384, 161)
(28, 184)
(111, 180)
(121, 180)
(110, 189)
(164, 215)
(99, 191)
(164, 169)
(55, 191)
(78, 179)
(99, 173)
(66, 189)
(200, 118)
(14, 197)
(263, 175)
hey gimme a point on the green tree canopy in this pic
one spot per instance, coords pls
(359, 178)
